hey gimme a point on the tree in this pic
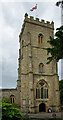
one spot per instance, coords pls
(61, 90)
(9, 112)
(56, 50)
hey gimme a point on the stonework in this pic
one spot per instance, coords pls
(38, 83)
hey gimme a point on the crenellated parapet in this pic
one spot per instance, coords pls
(37, 81)
(36, 21)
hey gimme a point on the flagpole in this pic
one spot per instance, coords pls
(36, 12)
(34, 8)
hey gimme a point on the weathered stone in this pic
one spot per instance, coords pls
(31, 54)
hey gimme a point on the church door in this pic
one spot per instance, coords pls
(42, 107)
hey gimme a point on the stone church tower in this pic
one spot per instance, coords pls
(38, 82)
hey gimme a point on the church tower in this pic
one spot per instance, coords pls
(37, 81)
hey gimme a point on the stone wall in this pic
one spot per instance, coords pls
(6, 93)
(34, 54)
(31, 54)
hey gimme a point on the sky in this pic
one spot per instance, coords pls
(11, 20)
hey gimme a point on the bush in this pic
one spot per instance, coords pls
(9, 111)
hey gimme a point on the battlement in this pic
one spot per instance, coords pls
(36, 22)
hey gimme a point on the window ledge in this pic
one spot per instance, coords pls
(41, 72)
(42, 99)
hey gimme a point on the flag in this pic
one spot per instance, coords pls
(34, 8)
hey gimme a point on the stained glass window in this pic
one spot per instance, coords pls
(41, 93)
(47, 93)
(41, 83)
(42, 90)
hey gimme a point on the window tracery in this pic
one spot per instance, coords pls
(40, 37)
(42, 90)
(12, 98)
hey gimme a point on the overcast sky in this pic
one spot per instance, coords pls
(11, 20)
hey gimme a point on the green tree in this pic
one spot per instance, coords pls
(61, 90)
(10, 112)
(56, 50)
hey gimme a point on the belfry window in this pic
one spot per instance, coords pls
(41, 67)
(40, 37)
(42, 90)
(12, 98)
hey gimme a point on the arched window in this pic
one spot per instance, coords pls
(40, 36)
(41, 90)
(12, 98)
(41, 67)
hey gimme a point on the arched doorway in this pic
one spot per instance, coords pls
(42, 107)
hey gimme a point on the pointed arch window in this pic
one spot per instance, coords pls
(12, 99)
(40, 37)
(42, 90)
(41, 67)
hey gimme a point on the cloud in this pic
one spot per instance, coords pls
(9, 73)
(29, 1)
(11, 22)
(12, 17)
